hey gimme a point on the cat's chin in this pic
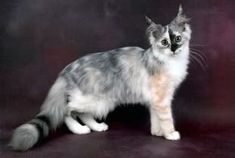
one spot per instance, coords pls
(176, 53)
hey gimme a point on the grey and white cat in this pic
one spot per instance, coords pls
(95, 84)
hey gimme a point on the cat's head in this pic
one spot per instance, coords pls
(170, 40)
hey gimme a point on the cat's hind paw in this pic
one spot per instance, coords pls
(83, 130)
(76, 127)
(173, 136)
(99, 127)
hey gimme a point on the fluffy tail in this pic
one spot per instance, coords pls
(51, 116)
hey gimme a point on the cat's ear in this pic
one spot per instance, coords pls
(180, 10)
(154, 32)
(181, 18)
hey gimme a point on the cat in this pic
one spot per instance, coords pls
(94, 85)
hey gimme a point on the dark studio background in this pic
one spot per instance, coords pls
(39, 38)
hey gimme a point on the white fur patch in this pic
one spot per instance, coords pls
(76, 127)
(173, 136)
(96, 105)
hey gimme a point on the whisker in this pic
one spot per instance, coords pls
(199, 56)
(198, 45)
(192, 60)
(202, 58)
(197, 50)
(198, 61)
(199, 53)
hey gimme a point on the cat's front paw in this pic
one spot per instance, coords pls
(173, 136)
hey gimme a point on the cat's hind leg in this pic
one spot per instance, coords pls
(89, 120)
(75, 127)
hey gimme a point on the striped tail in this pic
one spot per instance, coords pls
(51, 116)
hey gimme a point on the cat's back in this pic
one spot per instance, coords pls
(98, 73)
(116, 53)
(127, 50)
(104, 60)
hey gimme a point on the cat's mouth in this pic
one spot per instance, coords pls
(176, 52)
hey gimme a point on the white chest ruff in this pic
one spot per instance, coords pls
(177, 70)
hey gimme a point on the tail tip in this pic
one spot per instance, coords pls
(24, 137)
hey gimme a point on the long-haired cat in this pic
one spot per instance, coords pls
(95, 84)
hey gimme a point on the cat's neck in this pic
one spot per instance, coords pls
(151, 63)
(155, 64)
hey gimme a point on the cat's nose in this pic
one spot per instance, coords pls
(173, 48)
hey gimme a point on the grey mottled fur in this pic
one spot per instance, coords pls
(24, 138)
(104, 73)
(53, 108)
(112, 76)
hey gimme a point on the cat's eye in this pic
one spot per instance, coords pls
(165, 42)
(178, 38)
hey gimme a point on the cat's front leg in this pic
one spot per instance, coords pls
(155, 123)
(166, 123)
(162, 123)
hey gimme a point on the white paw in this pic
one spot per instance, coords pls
(99, 127)
(173, 136)
(82, 130)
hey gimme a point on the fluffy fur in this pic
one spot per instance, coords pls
(95, 84)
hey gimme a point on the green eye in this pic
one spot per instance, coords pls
(178, 38)
(165, 42)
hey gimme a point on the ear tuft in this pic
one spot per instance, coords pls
(181, 18)
(180, 11)
(148, 20)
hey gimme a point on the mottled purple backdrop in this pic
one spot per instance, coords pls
(40, 37)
